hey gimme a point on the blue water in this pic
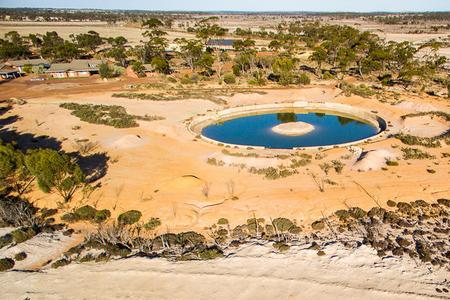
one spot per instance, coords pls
(256, 130)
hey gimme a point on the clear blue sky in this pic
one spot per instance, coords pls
(242, 5)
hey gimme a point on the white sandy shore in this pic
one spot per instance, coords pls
(253, 272)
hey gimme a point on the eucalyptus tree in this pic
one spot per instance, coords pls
(156, 39)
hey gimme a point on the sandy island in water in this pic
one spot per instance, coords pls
(293, 128)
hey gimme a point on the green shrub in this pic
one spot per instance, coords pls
(392, 163)
(20, 256)
(60, 263)
(282, 224)
(22, 234)
(102, 215)
(6, 264)
(70, 217)
(408, 139)
(360, 90)
(210, 253)
(304, 79)
(190, 238)
(357, 212)
(391, 203)
(110, 115)
(107, 71)
(236, 70)
(130, 217)
(152, 224)
(86, 213)
(229, 78)
(87, 258)
(327, 76)
(414, 153)
(282, 247)
(5, 240)
(318, 225)
(222, 221)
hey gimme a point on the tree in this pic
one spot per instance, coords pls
(88, 41)
(118, 51)
(191, 51)
(204, 30)
(283, 67)
(157, 43)
(13, 46)
(55, 171)
(221, 57)
(319, 56)
(13, 171)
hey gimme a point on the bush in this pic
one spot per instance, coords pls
(304, 79)
(20, 256)
(130, 217)
(22, 234)
(60, 263)
(70, 217)
(210, 253)
(391, 203)
(102, 215)
(6, 264)
(414, 153)
(152, 224)
(138, 69)
(236, 70)
(282, 247)
(327, 76)
(110, 115)
(282, 224)
(86, 213)
(229, 78)
(318, 225)
(106, 71)
(5, 240)
(391, 163)
(222, 221)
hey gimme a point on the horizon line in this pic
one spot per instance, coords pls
(236, 11)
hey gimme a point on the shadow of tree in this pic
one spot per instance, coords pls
(95, 166)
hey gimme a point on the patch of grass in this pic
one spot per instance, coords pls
(361, 90)
(411, 140)
(441, 114)
(414, 153)
(273, 173)
(110, 115)
(238, 154)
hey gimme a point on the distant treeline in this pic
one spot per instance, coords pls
(53, 14)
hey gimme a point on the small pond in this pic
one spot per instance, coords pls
(256, 130)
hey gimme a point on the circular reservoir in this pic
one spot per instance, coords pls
(291, 129)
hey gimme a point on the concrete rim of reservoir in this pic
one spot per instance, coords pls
(198, 123)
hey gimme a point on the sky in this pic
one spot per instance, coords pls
(242, 5)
